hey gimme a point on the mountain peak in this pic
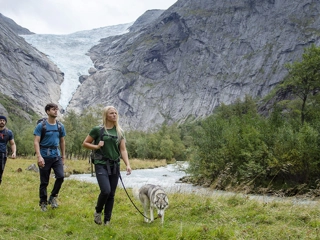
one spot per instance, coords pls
(15, 27)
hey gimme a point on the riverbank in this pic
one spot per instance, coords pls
(171, 177)
(76, 167)
(299, 192)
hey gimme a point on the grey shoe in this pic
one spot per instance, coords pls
(97, 218)
(53, 202)
(107, 223)
(43, 207)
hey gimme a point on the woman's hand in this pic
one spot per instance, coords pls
(129, 170)
(100, 144)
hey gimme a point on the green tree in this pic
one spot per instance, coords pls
(166, 147)
(304, 78)
(77, 128)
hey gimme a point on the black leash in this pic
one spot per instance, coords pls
(131, 199)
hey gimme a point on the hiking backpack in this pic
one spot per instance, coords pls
(97, 153)
(5, 138)
(102, 134)
(44, 128)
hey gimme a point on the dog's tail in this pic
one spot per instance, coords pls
(135, 192)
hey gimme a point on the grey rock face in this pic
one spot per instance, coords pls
(69, 52)
(3, 111)
(13, 26)
(145, 19)
(92, 71)
(26, 74)
(197, 55)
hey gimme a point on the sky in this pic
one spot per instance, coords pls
(69, 16)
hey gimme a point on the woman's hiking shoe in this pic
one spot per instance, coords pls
(97, 218)
(43, 207)
(53, 202)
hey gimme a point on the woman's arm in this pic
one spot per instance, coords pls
(88, 143)
(124, 156)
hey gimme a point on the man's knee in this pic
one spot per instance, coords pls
(44, 184)
(60, 180)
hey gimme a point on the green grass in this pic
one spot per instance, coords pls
(188, 217)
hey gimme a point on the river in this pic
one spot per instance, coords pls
(169, 178)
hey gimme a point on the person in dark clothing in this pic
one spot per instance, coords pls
(49, 156)
(109, 146)
(6, 136)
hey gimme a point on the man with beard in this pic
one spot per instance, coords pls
(49, 156)
(6, 136)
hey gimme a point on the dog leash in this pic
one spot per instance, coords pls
(131, 199)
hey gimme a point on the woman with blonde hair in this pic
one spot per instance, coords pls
(109, 146)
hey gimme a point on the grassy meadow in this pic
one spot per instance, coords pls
(188, 217)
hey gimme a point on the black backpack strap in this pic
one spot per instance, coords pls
(43, 129)
(101, 138)
(95, 153)
(59, 129)
(114, 168)
(101, 133)
(6, 134)
(5, 138)
(108, 167)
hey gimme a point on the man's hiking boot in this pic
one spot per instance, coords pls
(97, 218)
(107, 223)
(53, 202)
(43, 207)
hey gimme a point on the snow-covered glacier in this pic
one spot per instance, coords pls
(69, 51)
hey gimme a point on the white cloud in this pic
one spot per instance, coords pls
(68, 16)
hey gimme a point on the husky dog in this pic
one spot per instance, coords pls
(152, 196)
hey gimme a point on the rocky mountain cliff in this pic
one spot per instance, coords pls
(15, 27)
(197, 55)
(26, 74)
(69, 52)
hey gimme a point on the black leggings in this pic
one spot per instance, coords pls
(108, 185)
(3, 161)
